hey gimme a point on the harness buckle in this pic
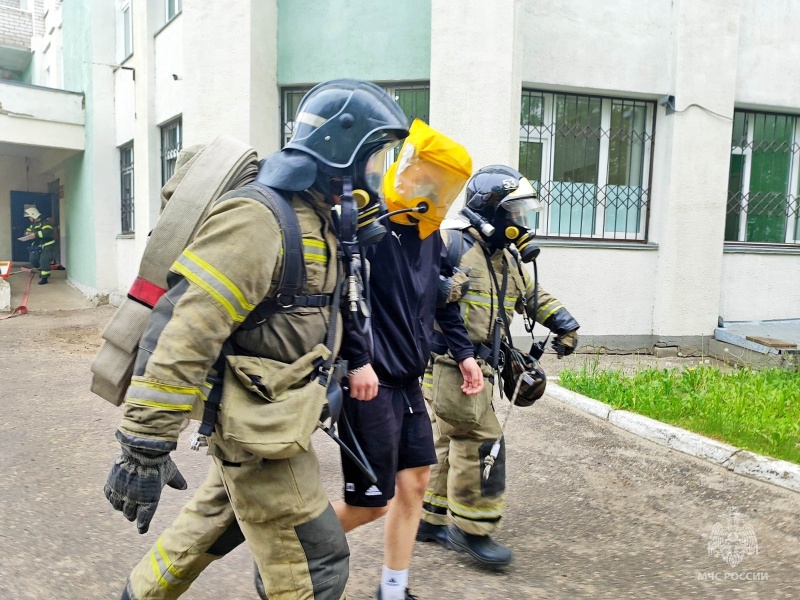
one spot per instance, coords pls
(280, 301)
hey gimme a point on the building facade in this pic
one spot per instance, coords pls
(663, 136)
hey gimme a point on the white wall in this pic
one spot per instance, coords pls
(475, 83)
(230, 60)
(612, 293)
(622, 46)
(169, 60)
(760, 287)
(769, 50)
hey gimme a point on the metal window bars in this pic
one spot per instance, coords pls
(764, 178)
(171, 144)
(590, 158)
(126, 188)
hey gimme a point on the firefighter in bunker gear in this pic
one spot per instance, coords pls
(42, 249)
(461, 508)
(277, 505)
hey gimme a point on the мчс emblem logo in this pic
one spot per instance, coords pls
(733, 540)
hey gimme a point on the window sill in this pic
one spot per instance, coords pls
(604, 245)
(126, 236)
(755, 248)
(167, 24)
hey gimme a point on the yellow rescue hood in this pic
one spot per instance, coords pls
(431, 169)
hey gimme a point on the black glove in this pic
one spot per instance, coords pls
(135, 483)
(565, 344)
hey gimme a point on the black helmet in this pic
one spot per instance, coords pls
(340, 120)
(342, 125)
(500, 187)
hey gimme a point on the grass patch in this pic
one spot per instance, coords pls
(755, 410)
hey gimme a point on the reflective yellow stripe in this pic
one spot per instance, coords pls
(209, 289)
(490, 512)
(167, 575)
(157, 571)
(526, 279)
(435, 500)
(229, 285)
(427, 380)
(550, 311)
(161, 396)
(477, 298)
(160, 405)
(315, 250)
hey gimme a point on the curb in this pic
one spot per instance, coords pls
(742, 462)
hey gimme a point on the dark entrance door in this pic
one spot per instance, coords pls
(44, 202)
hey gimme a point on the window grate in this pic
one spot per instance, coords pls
(764, 179)
(126, 187)
(590, 159)
(171, 144)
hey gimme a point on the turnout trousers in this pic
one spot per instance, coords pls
(279, 507)
(457, 492)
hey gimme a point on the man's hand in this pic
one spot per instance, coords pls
(473, 376)
(363, 383)
(135, 483)
(565, 344)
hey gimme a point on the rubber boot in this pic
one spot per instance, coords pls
(480, 547)
(433, 533)
(43, 281)
(262, 593)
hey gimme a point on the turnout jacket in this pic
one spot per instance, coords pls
(43, 233)
(404, 279)
(479, 305)
(232, 265)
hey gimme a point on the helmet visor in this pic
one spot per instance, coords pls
(376, 166)
(522, 205)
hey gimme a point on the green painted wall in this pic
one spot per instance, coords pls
(376, 40)
(78, 195)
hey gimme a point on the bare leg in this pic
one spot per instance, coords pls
(355, 516)
(402, 519)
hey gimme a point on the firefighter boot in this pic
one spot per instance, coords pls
(42, 280)
(480, 547)
(432, 533)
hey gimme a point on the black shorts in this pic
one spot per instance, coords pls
(394, 432)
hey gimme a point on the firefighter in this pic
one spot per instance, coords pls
(42, 249)
(217, 284)
(461, 508)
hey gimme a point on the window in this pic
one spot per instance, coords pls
(413, 98)
(173, 9)
(127, 31)
(171, 144)
(126, 187)
(589, 158)
(763, 180)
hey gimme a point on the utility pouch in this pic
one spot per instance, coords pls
(449, 402)
(270, 408)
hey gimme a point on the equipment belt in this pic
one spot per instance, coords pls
(480, 350)
(273, 305)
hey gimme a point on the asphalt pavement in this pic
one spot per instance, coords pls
(593, 512)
